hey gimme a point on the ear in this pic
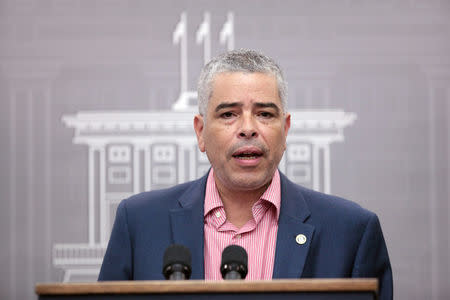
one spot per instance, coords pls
(198, 127)
(287, 125)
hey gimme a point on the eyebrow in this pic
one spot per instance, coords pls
(257, 104)
(227, 105)
(267, 105)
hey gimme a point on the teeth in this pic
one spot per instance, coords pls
(247, 154)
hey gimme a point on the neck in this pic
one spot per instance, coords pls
(238, 203)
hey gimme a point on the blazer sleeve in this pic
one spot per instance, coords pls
(118, 259)
(372, 259)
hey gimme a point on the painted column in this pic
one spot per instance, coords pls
(104, 215)
(181, 162)
(136, 168)
(91, 194)
(326, 168)
(147, 166)
(192, 162)
(315, 164)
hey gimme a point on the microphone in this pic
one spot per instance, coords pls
(177, 263)
(234, 263)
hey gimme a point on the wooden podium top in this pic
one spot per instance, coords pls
(201, 286)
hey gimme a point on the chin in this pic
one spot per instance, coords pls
(249, 182)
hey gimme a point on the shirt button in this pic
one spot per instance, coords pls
(218, 214)
(238, 236)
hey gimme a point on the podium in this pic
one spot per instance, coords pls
(303, 289)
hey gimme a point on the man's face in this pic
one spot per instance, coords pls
(244, 130)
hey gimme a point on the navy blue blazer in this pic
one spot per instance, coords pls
(342, 239)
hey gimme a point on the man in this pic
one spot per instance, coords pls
(288, 231)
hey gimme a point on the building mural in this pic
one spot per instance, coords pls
(97, 99)
(130, 152)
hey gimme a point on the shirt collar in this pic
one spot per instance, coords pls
(271, 195)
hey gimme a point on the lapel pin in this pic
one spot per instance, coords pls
(300, 239)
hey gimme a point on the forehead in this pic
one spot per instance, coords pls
(240, 86)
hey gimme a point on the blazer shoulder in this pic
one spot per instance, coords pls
(330, 207)
(319, 203)
(164, 198)
(333, 201)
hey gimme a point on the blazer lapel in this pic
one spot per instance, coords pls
(294, 237)
(187, 225)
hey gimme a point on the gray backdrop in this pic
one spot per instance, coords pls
(386, 61)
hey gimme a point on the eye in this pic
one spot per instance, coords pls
(227, 115)
(265, 114)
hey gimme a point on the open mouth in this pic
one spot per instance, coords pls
(248, 154)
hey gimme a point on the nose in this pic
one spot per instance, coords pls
(248, 128)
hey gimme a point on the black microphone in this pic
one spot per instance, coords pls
(177, 263)
(234, 262)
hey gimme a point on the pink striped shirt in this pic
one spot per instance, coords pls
(258, 236)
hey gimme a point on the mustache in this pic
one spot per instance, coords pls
(253, 143)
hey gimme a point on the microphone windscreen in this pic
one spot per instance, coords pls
(177, 254)
(234, 254)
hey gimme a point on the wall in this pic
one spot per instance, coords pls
(386, 61)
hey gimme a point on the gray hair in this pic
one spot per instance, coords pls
(243, 60)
